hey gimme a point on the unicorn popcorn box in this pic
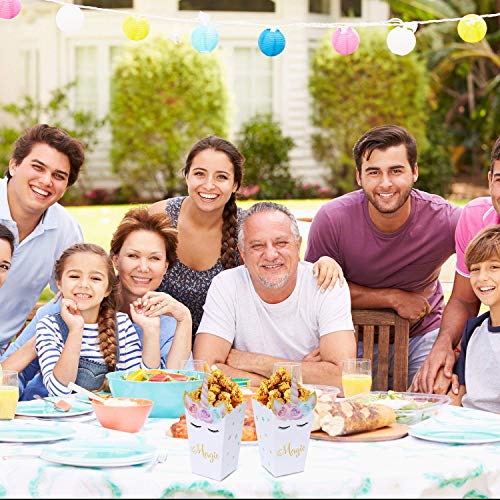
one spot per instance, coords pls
(283, 413)
(214, 415)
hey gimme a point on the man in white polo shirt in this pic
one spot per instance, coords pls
(44, 163)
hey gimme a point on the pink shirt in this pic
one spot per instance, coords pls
(476, 215)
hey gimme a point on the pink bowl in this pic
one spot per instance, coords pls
(123, 418)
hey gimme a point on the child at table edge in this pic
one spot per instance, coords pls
(478, 365)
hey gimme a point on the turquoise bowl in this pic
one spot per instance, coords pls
(167, 397)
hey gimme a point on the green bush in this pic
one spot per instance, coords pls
(351, 94)
(267, 153)
(164, 98)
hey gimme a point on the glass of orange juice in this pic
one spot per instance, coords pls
(356, 376)
(9, 394)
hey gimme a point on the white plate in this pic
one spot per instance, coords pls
(108, 453)
(24, 432)
(42, 409)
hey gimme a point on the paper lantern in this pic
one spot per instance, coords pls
(69, 19)
(345, 40)
(401, 40)
(272, 42)
(9, 8)
(204, 39)
(136, 27)
(472, 28)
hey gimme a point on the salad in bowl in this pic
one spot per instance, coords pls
(410, 407)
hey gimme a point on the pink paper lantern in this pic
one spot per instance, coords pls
(9, 8)
(345, 40)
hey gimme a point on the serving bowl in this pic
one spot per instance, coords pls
(410, 407)
(168, 397)
(122, 414)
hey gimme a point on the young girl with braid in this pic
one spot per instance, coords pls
(207, 222)
(88, 338)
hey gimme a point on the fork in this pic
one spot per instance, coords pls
(58, 406)
(160, 457)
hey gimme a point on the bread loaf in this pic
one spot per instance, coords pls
(349, 417)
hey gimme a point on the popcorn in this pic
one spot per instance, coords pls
(278, 387)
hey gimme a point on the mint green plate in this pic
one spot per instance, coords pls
(110, 453)
(37, 408)
(456, 435)
(27, 432)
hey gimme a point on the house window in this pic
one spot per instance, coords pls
(107, 4)
(252, 84)
(319, 6)
(86, 91)
(31, 71)
(350, 8)
(233, 5)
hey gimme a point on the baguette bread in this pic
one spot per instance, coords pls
(349, 417)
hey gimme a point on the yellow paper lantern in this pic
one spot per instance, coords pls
(136, 27)
(472, 28)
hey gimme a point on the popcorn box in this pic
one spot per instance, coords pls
(214, 438)
(283, 436)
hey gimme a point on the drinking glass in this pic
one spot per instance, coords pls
(9, 394)
(196, 365)
(356, 376)
(292, 367)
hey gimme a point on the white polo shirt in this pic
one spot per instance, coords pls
(32, 263)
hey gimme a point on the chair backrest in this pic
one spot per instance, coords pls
(384, 327)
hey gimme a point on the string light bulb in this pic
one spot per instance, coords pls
(69, 19)
(472, 28)
(401, 39)
(9, 8)
(136, 28)
(345, 40)
(272, 42)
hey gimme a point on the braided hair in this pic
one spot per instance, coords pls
(229, 239)
(106, 318)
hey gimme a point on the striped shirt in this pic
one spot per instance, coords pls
(49, 346)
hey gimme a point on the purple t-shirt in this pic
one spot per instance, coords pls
(409, 259)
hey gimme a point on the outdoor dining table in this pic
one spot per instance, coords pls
(402, 468)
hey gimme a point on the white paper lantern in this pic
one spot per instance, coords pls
(401, 40)
(69, 19)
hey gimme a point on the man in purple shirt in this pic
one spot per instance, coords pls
(389, 238)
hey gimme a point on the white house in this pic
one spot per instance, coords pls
(36, 57)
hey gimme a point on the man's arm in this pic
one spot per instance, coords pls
(408, 305)
(334, 348)
(462, 305)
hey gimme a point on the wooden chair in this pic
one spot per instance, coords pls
(31, 315)
(384, 327)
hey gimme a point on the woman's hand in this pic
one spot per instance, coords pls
(153, 304)
(327, 271)
(147, 323)
(72, 315)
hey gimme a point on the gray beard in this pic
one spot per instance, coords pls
(274, 284)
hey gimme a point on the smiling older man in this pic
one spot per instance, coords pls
(45, 161)
(271, 309)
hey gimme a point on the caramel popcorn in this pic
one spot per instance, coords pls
(277, 387)
(221, 390)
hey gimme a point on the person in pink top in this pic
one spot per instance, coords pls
(436, 372)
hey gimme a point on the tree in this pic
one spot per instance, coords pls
(351, 94)
(57, 112)
(267, 153)
(164, 98)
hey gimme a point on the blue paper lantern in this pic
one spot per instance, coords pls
(204, 39)
(272, 42)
